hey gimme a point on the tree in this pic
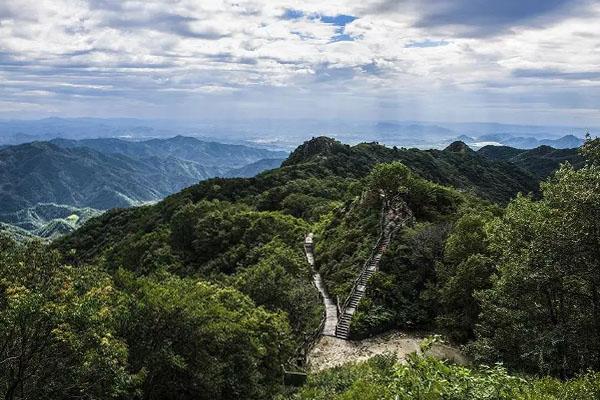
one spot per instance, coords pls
(465, 269)
(591, 149)
(57, 328)
(390, 180)
(543, 311)
(192, 340)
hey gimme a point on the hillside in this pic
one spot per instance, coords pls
(41, 172)
(316, 177)
(172, 297)
(47, 220)
(107, 173)
(540, 161)
(255, 168)
(208, 154)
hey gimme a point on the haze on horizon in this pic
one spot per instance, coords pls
(524, 62)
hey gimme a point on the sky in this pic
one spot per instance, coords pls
(511, 61)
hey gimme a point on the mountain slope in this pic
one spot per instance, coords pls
(208, 154)
(255, 168)
(107, 173)
(317, 176)
(465, 170)
(42, 172)
(540, 162)
(247, 233)
(47, 220)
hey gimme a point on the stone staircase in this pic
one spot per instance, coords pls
(394, 215)
(342, 329)
(331, 317)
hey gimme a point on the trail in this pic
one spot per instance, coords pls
(332, 347)
(331, 313)
(395, 214)
(330, 352)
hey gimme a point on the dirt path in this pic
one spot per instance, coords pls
(330, 351)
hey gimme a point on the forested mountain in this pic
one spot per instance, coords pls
(541, 161)
(47, 220)
(107, 173)
(42, 172)
(225, 157)
(206, 293)
(255, 168)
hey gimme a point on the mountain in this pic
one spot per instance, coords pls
(48, 220)
(105, 173)
(466, 170)
(208, 154)
(317, 173)
(42, 172)
(540, 162)
(288, 133)
(215, 274)
(565, 142)
(530, 142)
(458, 147)
(255, 168)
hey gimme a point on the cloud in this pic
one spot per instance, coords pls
(475, 18)
(376, 58)
(555, 74)
(428, 43)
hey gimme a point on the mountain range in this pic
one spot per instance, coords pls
(100, 174)
(50, 188)
(289, 133)
(215, 278)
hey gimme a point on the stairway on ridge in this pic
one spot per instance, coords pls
(394, 215)
(342, 330)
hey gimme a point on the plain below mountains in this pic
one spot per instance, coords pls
(99, 174)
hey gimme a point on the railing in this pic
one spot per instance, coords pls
(382, 228)
(301, 352)
(367, 262)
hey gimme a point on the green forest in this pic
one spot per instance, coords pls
(208, 294)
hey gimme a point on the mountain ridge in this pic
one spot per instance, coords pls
(107, 173)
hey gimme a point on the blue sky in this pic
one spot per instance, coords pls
(514, 61)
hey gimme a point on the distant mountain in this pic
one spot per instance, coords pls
(465, 138)
(529, 142)
(42, 218)
(223, 156)
(100, 174)
(540, 162)
(255, 168)
(565, 142)
(41, 172)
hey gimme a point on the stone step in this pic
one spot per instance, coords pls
(343, 326)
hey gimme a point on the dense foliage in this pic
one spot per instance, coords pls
(207, 293)
(78, 332)
(58, 328)
(543, 309)
(425, 378)
(521, 284)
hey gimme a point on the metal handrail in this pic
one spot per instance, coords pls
(367, 262)
(373, 253)
(310, 340)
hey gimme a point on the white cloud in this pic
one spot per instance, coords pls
(132, 50)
